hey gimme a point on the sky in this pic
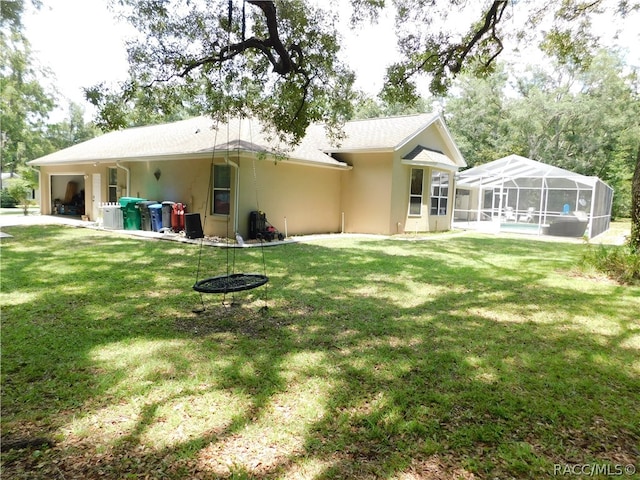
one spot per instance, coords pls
(82, 44)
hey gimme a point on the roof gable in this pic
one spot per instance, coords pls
(428, 157)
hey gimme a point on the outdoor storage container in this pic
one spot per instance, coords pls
(167, 208)
(177, 216)
(257, 223)
(111, 216)
(193, 225)
(145, 215)
(155, 211)
(131, 212)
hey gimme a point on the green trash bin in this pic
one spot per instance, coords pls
(131, 213)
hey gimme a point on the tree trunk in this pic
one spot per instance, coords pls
(634, 241)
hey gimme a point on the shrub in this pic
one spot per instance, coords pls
(620, 263)
(20, 190)
(6, 200)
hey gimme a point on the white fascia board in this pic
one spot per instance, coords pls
(439, 166)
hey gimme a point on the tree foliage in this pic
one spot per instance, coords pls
(477, 116)
(634, 240)
(25, 103)
(584, 121)
(71, 130)
(277, 61)
(281, 60)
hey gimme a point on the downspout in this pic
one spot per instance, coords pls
(128, 176)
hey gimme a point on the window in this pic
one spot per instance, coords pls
(113, 185)
(221, 189)
(415, 195)
(439, 193)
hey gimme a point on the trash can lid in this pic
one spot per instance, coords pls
(155, 206)
(129, 200)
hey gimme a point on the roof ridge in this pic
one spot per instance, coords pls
(392, 117)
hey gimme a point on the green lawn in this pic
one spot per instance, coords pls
(463, 356)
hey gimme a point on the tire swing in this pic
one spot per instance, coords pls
(230, 282)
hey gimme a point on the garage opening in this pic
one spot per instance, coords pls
(68, 195)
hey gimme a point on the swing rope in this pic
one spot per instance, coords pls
(206, 210)
(255, 186)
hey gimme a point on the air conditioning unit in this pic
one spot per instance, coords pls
(111, 216)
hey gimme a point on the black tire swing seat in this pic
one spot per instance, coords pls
(234, 282)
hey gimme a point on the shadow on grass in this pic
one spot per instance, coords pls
(441, 359)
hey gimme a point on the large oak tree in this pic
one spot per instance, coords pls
(281, 60)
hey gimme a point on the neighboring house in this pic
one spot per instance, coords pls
(5, 179)
(386, 176)
(8, 177)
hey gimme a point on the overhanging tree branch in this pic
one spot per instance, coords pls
(462, 51)
(453, 57)
(284, 60)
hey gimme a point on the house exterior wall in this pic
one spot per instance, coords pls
(400, 197)
(296, 199)
(367, 192)
(307, 197)
(425, 221)
(182, 181)
(375, 193)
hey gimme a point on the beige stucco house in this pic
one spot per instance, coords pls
(386, 176)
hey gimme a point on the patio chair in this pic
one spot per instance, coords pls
(527, 217)
(509, 214)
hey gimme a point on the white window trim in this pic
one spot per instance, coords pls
(440, 197)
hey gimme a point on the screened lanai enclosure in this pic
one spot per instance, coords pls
(517, 194)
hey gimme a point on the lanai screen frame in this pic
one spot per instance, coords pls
(550, 188)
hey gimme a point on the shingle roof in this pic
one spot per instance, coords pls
(201, 136)
(379, 133)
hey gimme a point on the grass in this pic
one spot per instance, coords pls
(457, 357)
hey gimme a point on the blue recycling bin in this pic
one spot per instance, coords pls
(155, 211)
